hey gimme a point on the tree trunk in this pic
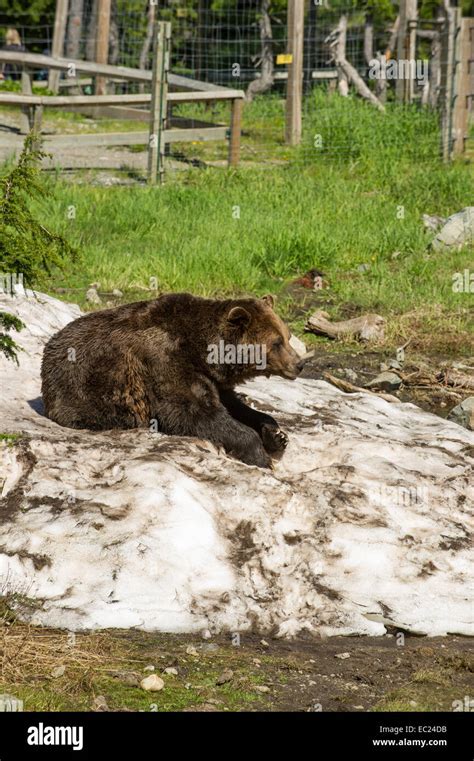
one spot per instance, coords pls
(147, 42)
(310, 49)
(74, 29)
(145, 51)
(435, 62)
(346, 72)
(265, 81)
(381, 84)
(340, 55)
(92, 32)
(114, 36)
(368, 39)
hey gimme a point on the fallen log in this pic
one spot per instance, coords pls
(368, 327)
(350, 388)
(447, 377)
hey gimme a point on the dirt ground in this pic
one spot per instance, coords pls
(55, 670)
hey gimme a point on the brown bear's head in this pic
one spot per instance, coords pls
(253, 341)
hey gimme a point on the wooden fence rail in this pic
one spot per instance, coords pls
(125, 106)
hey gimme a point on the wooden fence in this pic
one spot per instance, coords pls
(163, 127)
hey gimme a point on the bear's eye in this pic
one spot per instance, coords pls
(277, 343)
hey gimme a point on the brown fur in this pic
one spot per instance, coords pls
(128, 366)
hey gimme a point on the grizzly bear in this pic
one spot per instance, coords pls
(173, 362)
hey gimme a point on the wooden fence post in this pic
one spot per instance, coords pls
(406, 48)
(294, 88)
(235, 131)
(464, 83)
(59, 34)
(159, 93)
(102, 42)
(26, 119)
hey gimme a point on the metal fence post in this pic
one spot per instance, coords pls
(159, 92)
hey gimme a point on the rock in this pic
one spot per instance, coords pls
(171, 671)
(433, 222)
(99, 704)
(118, 294)
(363, 267)
(342, 656)
(463, 413)
(58, 671)
(209, 647)
(152, 683)
(264, 643)
(225, 677)
(457, 232)
(206, 634)
(261, 688)
(394, 364)
(149, 668)
(350, 375)
(298, 346)
(191, 650)
(386, 381)
(127, 677)
(362, 526)
(93, 297)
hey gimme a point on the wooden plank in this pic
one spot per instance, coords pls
(105, 139)
(59, 33)
(294, 90)
(463, 85)
(199, 135)
(204, 97)
(176, 80)
(182, 122)
(111, 139)
(73, 100)
(79, 101)
(117, 112)
(235, 132)
(102, 43)
(37, 60)
(64, 84)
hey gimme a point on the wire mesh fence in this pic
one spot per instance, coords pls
(244, 44)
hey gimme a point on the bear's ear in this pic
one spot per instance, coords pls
(268, 300)
(238, 317)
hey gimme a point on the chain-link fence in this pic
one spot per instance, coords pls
(365, 86)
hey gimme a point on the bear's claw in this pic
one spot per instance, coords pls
(274, 439)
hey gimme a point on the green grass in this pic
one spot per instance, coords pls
(11, 438)
(356, 200)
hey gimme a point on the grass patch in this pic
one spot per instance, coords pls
(112, 664)
(11, 438)
(357, 199)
